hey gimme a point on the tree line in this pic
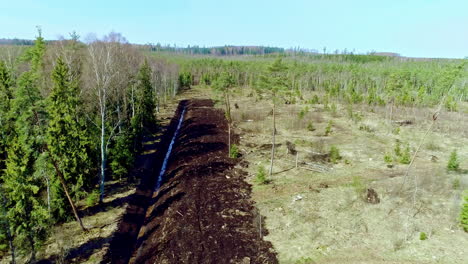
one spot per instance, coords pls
(369, 79)
(72, 116)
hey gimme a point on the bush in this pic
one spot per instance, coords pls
(464, 214)
(397, 149)
(93, 198)
(453, 163)
(314, 100)
(303, 112)
(261, 175)
(422, 236)
(328, 129)
(406, 156)
(310, 126)
(388, 158)
(334, 154)
(456, 184)
(234, 151)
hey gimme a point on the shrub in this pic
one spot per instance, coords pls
(422, 236)
(453, 163)
(406, 156)
(303, 112)
(328, 129)
(310, 126)
(456, 184)
(464, 214)
(92, 198)
(234, 151)
(314, 100)
(397, 148)
(261, 175)
(334, 154)
(388, 158)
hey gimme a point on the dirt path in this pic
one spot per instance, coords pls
(203, 212)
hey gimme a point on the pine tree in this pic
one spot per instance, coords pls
(274, 83)
(453, 163)
(224, 84)
(67, 143)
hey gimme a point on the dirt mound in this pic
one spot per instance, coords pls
(147, 167)
(203, 212)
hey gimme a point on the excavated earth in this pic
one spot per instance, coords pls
(202, 213)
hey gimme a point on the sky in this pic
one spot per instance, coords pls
(415, 28)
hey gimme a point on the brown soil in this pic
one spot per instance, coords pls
(203, 212)
(146, 171)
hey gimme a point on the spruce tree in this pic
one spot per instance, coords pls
(67, 143)
(144, 100)
(464, 213)
(6, 234)
(27, 214)
(5, 122)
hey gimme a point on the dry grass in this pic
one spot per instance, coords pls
(317, 217)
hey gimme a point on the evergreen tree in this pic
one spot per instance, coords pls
(5, 122)
(67, 143)
(27, 215)
(6, 127)
(144, 100)
(6, 233)
(273, 84)
(453, 163)
(224, 84)
(464, 213)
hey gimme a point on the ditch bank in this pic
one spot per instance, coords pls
(146, 170)
(202, 213)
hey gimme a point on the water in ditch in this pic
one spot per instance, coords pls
(169, 150)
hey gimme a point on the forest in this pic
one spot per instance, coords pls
(73, 114)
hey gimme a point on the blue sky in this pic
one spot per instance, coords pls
(417, 28)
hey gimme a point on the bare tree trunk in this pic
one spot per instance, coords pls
(133, 100)
(48, 193)
(273, 141)
(33, 249)
(12, 246)
(228, 117)
(103, 156)
(65, 189)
